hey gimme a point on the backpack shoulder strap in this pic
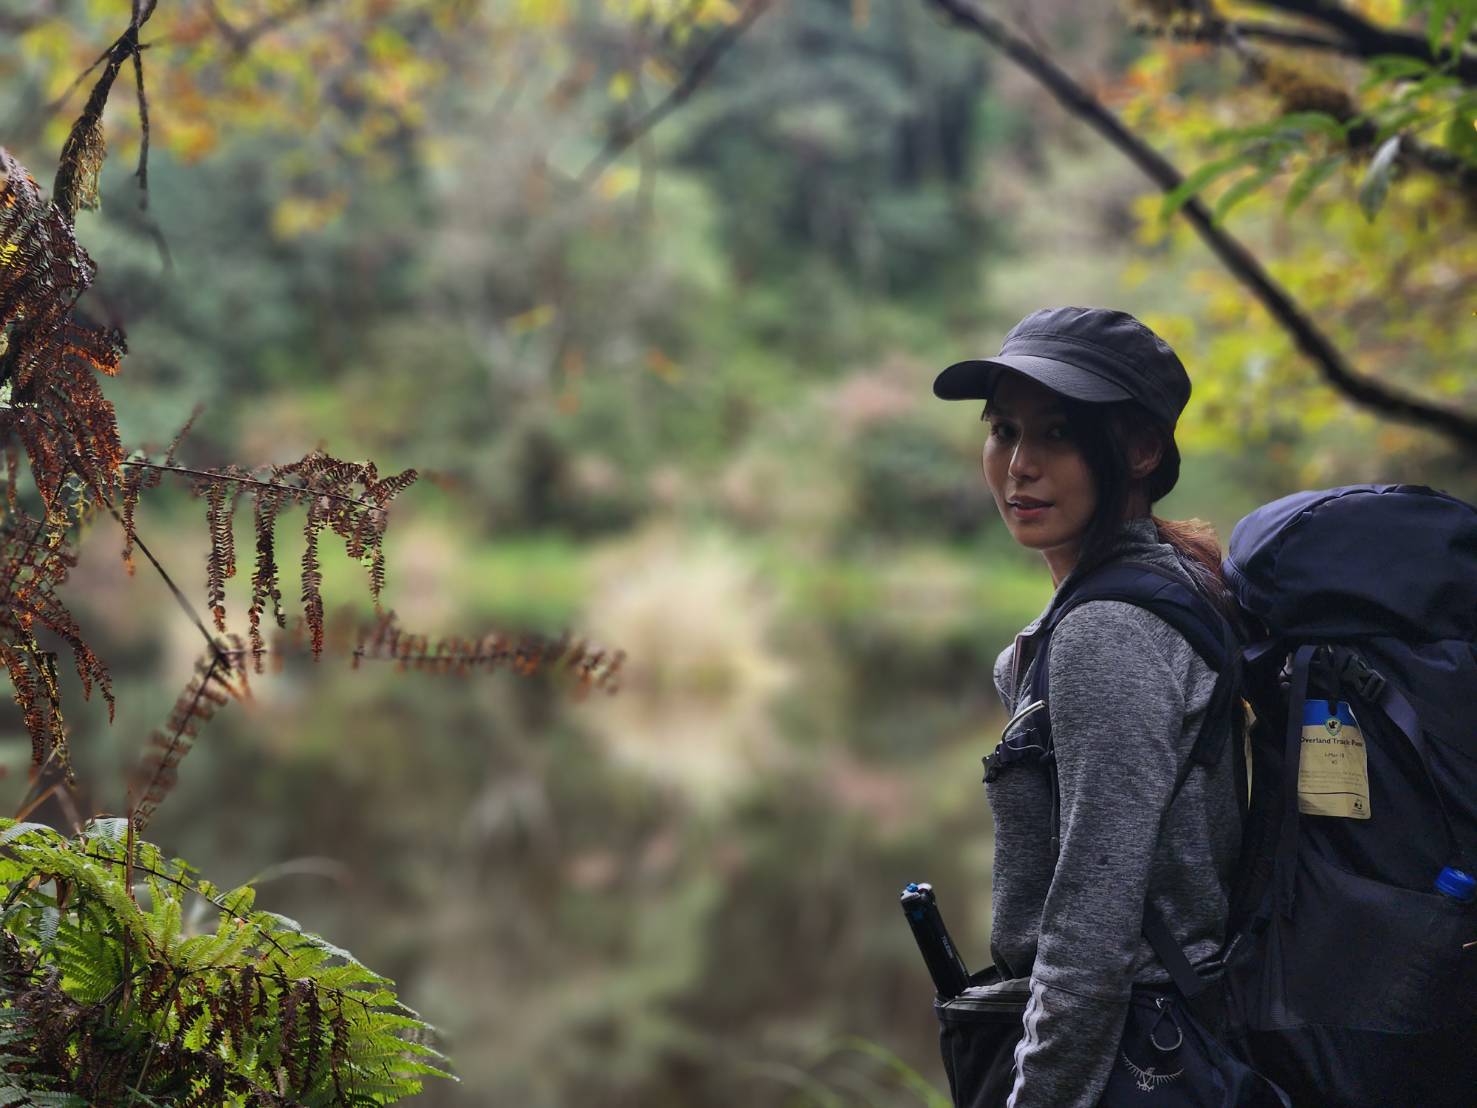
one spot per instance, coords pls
(1169, 597)
(1211, 636)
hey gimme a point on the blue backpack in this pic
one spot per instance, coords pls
(1349, 971)
(1349, 976)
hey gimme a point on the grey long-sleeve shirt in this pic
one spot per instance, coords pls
(1127, 694)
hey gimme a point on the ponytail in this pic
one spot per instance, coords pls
(1199, 548)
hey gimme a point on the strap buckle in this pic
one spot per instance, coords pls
(1355, 673)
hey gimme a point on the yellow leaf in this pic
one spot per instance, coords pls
(543, 13)
(295, 216)
(531, 320)
(618, 180)
(621, 86)
(659, 71)
(1136, 272)
(722, 11)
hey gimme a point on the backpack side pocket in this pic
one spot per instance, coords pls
(978, 1033)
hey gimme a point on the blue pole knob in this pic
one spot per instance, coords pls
(1457, 884)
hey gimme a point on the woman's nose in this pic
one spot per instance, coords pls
(1022, 460)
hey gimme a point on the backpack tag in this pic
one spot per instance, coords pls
(1333, 774)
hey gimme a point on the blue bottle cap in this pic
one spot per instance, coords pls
(1457, 884)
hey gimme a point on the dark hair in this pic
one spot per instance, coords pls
(1103, 434)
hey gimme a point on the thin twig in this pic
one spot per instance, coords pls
(626, 135)
(173, 588)
(298, 489)
(41, 799)
(241, 39)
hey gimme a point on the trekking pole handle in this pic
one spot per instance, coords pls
(950, 975)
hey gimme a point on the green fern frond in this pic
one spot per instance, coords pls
(108, 998)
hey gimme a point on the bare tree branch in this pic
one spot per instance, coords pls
(1368, 40)
(241, 39)
(625, 136)
(1278, 34)
(1360, 388)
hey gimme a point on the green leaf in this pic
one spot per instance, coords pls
(16, 830)
(1312, 175)
(1399, 121)
(1466, 19)
(1433, 83)
(195, 1036)
(1393, 67)
(50, 920)
(1376, 183)
(1202, 176)
(111, 830)
(1436, 23)
(1461, 128)
(1300, 123)
(1243, 188)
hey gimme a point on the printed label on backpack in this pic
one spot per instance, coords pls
(1333, 774)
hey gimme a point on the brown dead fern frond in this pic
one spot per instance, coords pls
(264, 584)
(33, 680)
(220, 677)
(590, 666)
(36, 559)
(85, 149)
(49, 359)
(348, 498)
(136, 478)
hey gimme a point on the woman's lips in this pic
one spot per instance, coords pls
(1024, 512)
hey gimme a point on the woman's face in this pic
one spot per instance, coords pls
(1029, 455)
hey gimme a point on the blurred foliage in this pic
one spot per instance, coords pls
(1352, 178)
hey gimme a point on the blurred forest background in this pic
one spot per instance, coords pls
(679, 403)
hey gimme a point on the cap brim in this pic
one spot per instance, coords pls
(976, 379)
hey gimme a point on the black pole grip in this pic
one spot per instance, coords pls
(950, 976)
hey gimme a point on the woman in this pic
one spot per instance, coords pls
(1081, 407)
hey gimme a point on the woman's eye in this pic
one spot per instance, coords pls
(1058, 432)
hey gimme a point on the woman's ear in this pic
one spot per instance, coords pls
(1145, 450)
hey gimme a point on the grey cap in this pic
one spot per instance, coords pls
(1092, 354)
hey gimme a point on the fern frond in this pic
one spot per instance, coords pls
(591, 666)
(264, 585)
(256, 1011)
(219, 678)
(312, 574)
(50, 358)
(220, 540)
(348, 498)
